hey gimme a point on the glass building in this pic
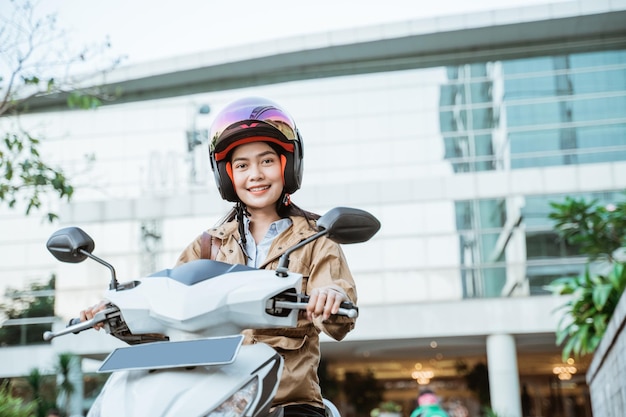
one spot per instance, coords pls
(528, 113)
(458, 157)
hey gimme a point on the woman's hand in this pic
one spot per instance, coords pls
(89, 312)
(325, 301)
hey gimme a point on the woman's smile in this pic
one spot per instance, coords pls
(258, 188)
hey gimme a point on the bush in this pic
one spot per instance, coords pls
(11, 406)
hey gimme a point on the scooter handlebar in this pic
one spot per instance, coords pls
(77, 326)
(347, 308)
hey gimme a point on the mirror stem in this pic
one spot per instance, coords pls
(283, 262)
(114, 283)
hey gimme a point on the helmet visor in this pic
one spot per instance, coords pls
(244, 121)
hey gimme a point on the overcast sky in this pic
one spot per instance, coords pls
(145, 30)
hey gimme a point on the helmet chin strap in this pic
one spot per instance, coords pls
(240, 212)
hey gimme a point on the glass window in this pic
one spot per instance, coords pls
(539, 277)
(530, 87)
(599, 81)
(595, 59)
(528, 65)
(458, 148)
(604, 143)
(541, 245)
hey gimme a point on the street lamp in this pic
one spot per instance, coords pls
(196, 137)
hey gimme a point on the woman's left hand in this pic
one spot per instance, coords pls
(325, 301)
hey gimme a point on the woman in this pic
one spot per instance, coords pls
(256, 157)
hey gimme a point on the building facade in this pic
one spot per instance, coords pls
(457, 143)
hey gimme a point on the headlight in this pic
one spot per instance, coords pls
(239, 402)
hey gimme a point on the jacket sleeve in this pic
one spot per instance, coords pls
(191, 252)
(330, 267)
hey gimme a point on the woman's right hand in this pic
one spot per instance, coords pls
(88, 313)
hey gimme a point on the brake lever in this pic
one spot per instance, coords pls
(77, 327)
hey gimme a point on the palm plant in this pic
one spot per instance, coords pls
(599, 232)
(43, 392)
(65, 386)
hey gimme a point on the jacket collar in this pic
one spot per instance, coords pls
(300, 230)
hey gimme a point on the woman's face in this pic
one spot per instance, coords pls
(257, 175)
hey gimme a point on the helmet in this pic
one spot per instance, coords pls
(248, 120)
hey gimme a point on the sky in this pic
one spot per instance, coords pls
(146, 30)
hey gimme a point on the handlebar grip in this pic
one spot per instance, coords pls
(346, 308)
(349, 312)
(344, 304)
(73, 322)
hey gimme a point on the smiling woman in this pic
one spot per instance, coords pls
(256, 156)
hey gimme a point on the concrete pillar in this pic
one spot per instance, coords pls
(503, 375)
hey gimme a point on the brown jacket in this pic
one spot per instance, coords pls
(321, 263)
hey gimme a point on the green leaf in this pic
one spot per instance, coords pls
(568, 349)
(601, 294)
(617, 277)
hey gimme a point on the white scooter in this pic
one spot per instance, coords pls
(183, 326)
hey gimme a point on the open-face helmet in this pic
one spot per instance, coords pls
(254, 119)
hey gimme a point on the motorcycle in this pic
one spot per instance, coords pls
(185, 355)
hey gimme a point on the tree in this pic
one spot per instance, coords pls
(37, 61)
(477, 380)
(600, 233)
(363, 391)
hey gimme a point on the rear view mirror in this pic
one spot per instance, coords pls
(348, 225)
(70, 245)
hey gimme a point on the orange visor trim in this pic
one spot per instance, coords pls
(223, 154)
(229, 171)
(283, 164)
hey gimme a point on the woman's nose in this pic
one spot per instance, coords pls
(255, 172)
